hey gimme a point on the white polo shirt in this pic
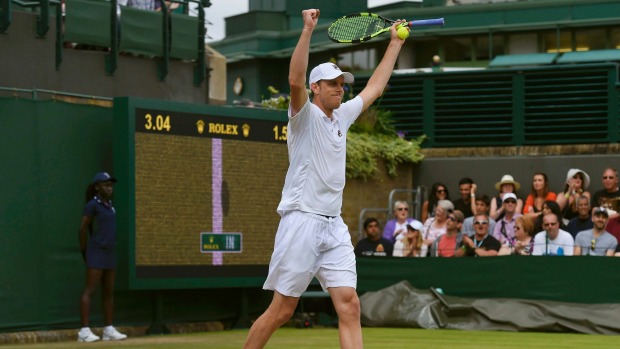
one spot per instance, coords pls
(317, 148)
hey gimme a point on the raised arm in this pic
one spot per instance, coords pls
(496, 211)
(299, 61)
(382, 74)
(472, 201)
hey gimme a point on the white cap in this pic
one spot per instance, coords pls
(509, 196)
(329, 71)
(415, 225)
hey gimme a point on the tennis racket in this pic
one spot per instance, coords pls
(359, 27)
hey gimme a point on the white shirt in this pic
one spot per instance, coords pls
(400, 249)
(317, 148)
(564, 241)
(399, 226)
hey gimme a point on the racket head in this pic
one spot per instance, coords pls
(358, 27)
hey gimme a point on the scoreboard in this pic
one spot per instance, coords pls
(197, 192)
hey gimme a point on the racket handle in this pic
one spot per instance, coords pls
(424, 22)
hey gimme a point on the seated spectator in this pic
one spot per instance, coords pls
(596, 241)
(142, 4)
(583, 221)
(577, 181)
(447, 244)
(613, 224)
(540, 193)
(373, 244)
(504, 230)
(481, 207)
(481, 244)
(524, 238)
(610, 188)
(506, 185)
(436, 226)
(438, 192)
(549, 206)
(464, 203)
(412, 244)
(396, 228)
(553, 241)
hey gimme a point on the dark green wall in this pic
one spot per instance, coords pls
(50, 151)
(588, 280)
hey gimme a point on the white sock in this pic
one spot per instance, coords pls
(83, 329)
(109, 328)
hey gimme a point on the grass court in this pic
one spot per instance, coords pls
(374, 338)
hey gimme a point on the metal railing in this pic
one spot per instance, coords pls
(415, 198)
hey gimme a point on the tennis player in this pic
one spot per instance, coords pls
(312, 239)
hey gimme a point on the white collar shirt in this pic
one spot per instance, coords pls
(317, 148)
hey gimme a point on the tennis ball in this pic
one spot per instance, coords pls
(403, 33)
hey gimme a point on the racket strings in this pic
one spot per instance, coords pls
(354, 28)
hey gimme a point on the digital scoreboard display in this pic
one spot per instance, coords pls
(198, 191)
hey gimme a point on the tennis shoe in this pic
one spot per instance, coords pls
(111, 334)
(86, 335)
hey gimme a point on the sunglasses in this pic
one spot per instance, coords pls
(481, 222)
(452, 218)
(549, 224)
(441, 190)
(608, 177)
(593, 246)
(403, 209)
(510, 201)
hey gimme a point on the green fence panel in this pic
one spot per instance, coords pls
(5, 15)
(469, 110)
(532, 277)
(556, 104)
(88, 22)
(184, 42)
(142, 32)
(51, 150)
(566, 108)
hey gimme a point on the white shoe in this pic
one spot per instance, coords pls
(86, 335)
(111, 334)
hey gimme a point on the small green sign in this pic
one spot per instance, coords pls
(225, 242)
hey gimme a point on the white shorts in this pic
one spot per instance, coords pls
(309, 245)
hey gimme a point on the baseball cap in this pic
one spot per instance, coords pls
(509, 196)
(329, 71)
(103, 177)
(601, 210)
(415, 225)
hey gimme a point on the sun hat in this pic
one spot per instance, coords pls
(329, 71)
(507, 179)
(573, 171)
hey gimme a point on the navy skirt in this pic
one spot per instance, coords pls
(100, 258)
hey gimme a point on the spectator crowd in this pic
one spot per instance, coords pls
(571, 222)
